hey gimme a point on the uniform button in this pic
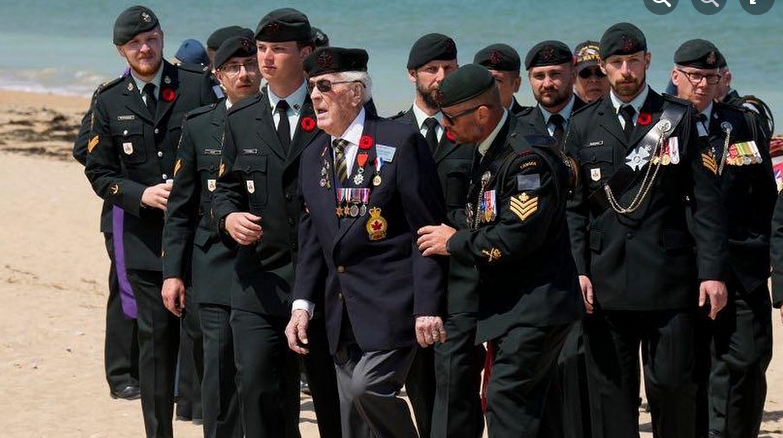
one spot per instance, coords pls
(156, 130)
(341, 269)
(287, 196)
(165, 176)
(125, 132)
(629, 235)
(339, 296)
(160, 153)
(290, 221)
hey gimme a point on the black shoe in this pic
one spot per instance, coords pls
(304, 387)
(129, 392)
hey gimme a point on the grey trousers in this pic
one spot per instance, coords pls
(369, 385)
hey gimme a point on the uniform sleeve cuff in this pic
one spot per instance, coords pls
(305, 305)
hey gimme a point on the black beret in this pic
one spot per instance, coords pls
(431, 47)
(467, 82)
(234, 46)
(587, 54)
(282, 25)
(622, 39)
(133, 21)
(498, 57)
(548, 53)
(320, 38)
(326, 60)
(698, 54)
(219, 36)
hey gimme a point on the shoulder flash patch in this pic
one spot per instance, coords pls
(530, 181)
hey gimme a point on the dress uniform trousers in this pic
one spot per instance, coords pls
(191, 362)
(121, 348)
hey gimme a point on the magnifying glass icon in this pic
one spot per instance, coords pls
(710, 1)
(666, 2)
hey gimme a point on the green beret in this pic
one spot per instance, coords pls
(282, 25)
(498, 57)
(622, 39)
(217, 37)
(133, 21)
(234, 46)
(548, 53)
(587, 54)
(325, 60)
(467, 82)
(431, 47)
(698, 54)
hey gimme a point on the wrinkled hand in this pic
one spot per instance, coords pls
(715, 291)
(156, 196)
(244, 228)
(173, 293)
(433, 238)
(296, 331)
(429, 330)
(587, 293)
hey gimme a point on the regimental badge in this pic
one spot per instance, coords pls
(595, 174)
(115, 188)
(711, 58)
(523, 205)
(358, 179)
(547, 53)
(251, 186)
(177, 166)
(709, 163)
(211, 185)
(492, 254)
(146, 17)
(166, 80)
(376, 225)
(127, 147)
(325, 59)
(496, 57)
(93, 142)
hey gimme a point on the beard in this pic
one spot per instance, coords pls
(630, 86)
(429, 96)
(147, 66)
(556, 97)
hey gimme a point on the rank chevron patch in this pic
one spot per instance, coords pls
(523, 205)
(709, 163)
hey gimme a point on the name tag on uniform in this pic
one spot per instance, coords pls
(211, 185)
(385, 153)
(249, 151)
(212, 152)
(596, 143)
(528, 182)
(127, 147)
(127, 117)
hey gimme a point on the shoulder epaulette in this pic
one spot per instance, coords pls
(588, 105)
(398, 115)
(675, 99)
(108, 84)
(201, 110)
(244, 103)
(525, 111)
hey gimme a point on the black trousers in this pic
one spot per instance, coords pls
(220, 400)
(267, 376)
(191, 362)
(121, 347)
(458, 366)
(736, 349)
(612, 342)
(319, 368)
(524, 365)
(420, 387)
(571, 386)
(158, 345)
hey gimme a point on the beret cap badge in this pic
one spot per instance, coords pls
(146, 17)
(711, 58)
(627, 42)
(325, 60)
(496, 57)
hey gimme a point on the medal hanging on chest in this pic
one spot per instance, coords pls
(361, 161)
(326, 177)
(376, 179)
(352, 202)
(488, 206)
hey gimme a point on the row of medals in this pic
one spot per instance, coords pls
(743, 154)
(351, 208)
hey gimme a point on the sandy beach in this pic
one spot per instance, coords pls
(53, 270)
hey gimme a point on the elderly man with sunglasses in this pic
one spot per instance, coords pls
(591, 83)
(737, 346)
(366, 187)
(256, 207)
(550, 70)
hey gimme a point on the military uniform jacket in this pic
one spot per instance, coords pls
(776, 252)
(130, 150)
(192, 249)
(259, 176)
(649, 259)
(749, 193)
(384, 283)
(533, 121)
(519, 239)
(80, 154)
(454, 164)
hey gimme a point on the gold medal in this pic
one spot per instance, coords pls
(376, 180)
(666, 159)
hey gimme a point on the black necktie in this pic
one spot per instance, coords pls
(149, 94)
(340, 162)
(702, 118)
(628, 112)
(558, 121)
(432, 135)
(283, 126)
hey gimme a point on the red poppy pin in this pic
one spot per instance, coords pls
(168, 94)
(308, 124)
(450, 136)
(366, 142)
(644, 119)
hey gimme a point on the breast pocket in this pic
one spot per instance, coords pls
(129, 138)
(457, 180)
(254, 172)
(597, 164)
(207, 173)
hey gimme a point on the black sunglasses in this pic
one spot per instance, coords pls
(325, 85)
(451, 119)
(591, 71)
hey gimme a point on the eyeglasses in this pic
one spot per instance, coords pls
(325, 85)
(586, 73)
(451, 119)
(234, 69)
(695, 78)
